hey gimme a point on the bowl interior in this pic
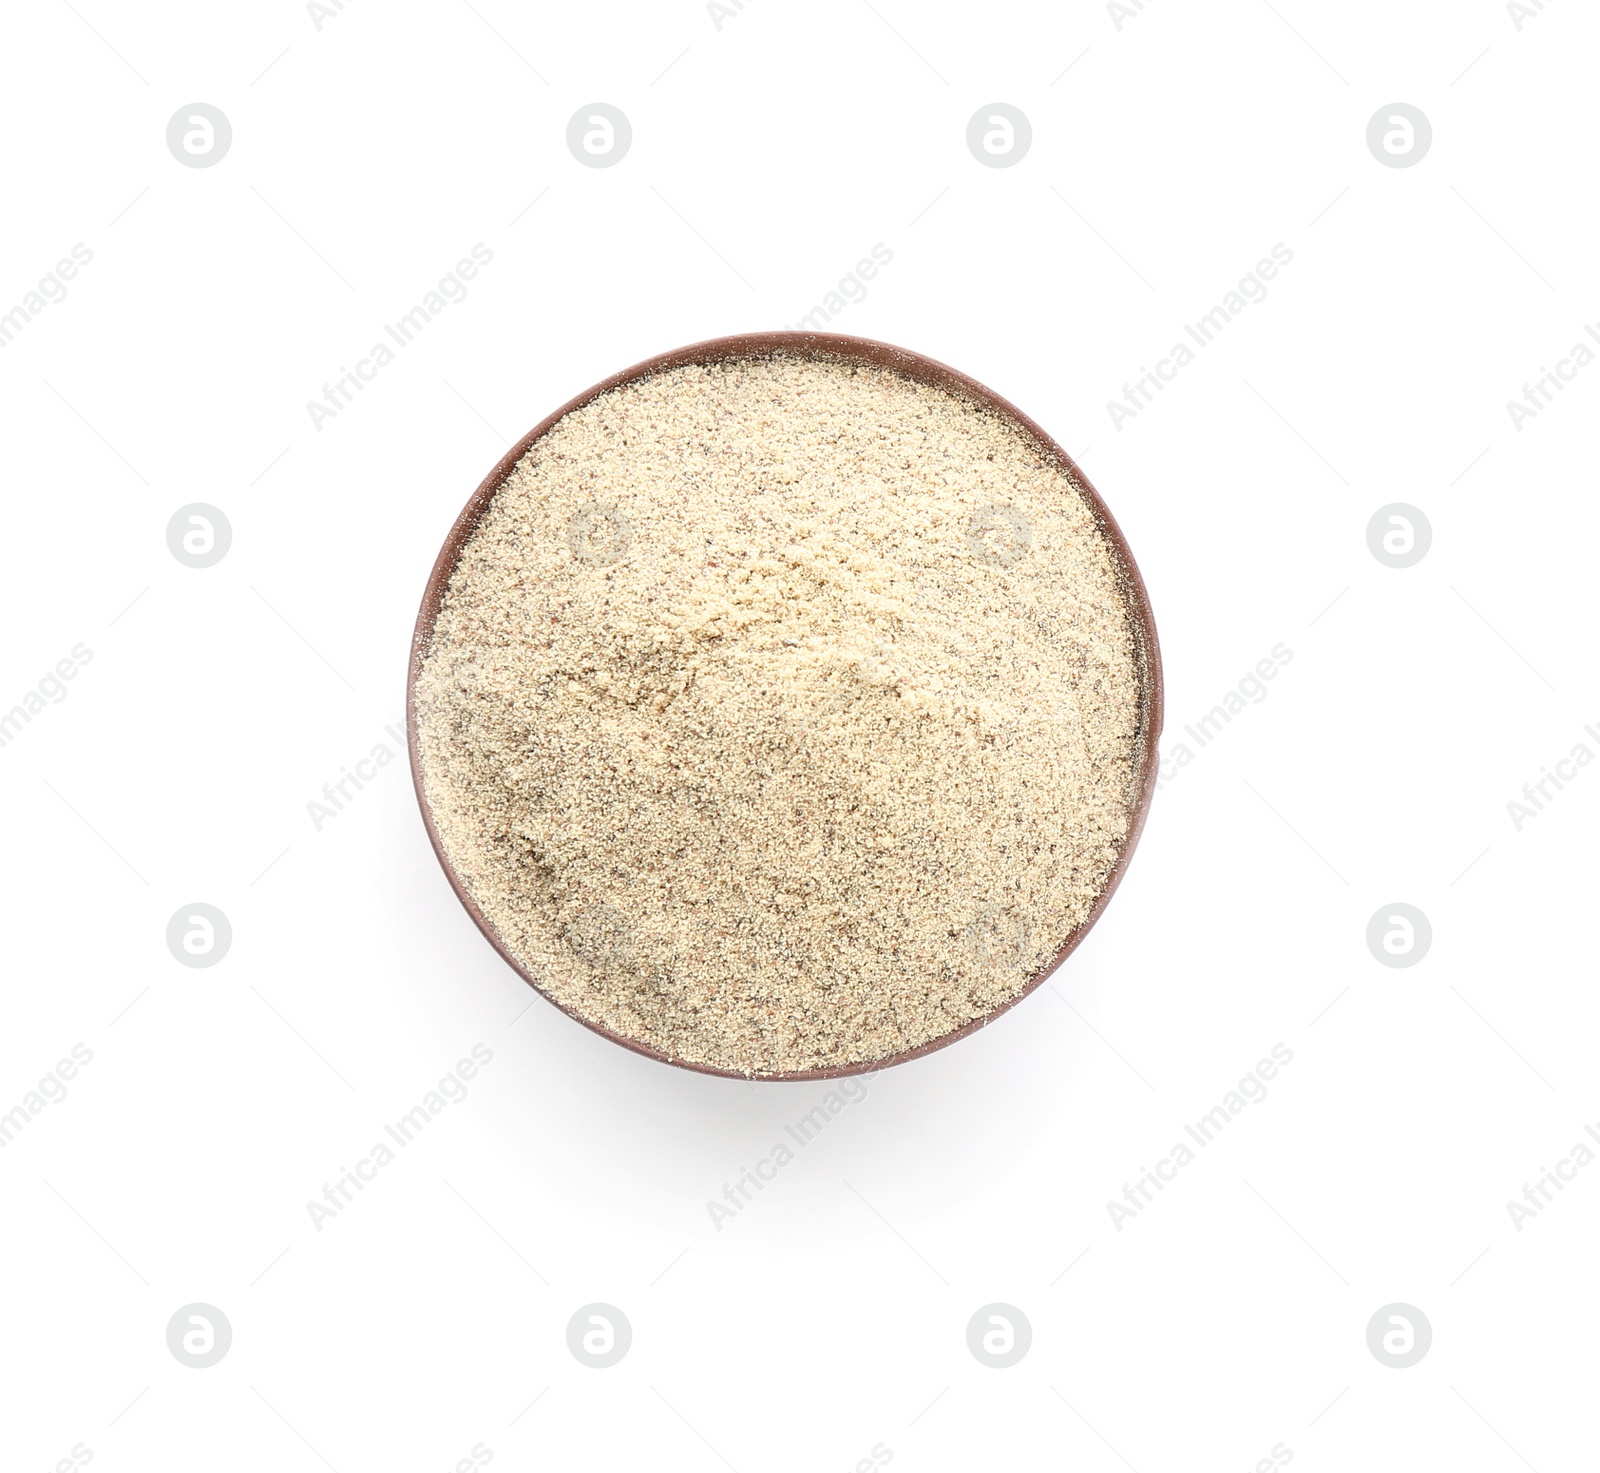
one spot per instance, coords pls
(837, 348)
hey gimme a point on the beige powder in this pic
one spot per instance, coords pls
(783, 714)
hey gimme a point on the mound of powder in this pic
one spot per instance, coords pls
(783, 714)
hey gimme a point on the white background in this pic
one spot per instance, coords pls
(830, 1316)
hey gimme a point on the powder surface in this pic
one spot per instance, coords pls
(783, 714)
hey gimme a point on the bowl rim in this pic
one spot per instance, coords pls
(834, 347)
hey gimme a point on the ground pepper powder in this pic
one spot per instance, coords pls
(783, 713)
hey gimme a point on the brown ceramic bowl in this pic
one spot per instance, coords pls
(836, 347)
